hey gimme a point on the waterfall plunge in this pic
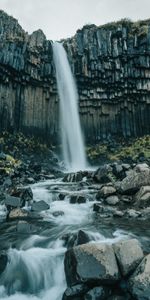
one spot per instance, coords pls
(72, 140)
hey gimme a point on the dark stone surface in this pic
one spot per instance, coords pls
(39, 206)
(111, 66)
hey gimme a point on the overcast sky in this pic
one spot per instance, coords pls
(61, 18)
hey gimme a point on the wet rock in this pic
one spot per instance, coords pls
(18, 213)
(74, 177)
(11, 201)
(77, 199)
(139, 282)
(132, 213)
(127, 199)
(7, 183)
(25, 193)
(75, 239)
(2, 197)
(105, 191)
(61, 196)
(97, 293)
(98, 208)
(112, 200)
(25, 227)
(39, 206)
(118, 171)
(142, 198)
(3, 261)
(75, 291)
(2, 156)
(82, 238)
(129, 255)
(102, 175)
(91, 263)
(118, 214)
(30, 180)
(133, 181)
(142, 167)
(58, 213)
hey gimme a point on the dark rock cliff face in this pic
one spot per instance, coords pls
(111, 64)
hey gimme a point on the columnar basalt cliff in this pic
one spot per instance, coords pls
(111, 64)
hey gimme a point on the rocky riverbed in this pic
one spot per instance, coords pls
(79, 236)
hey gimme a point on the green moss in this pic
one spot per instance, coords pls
(132, 148)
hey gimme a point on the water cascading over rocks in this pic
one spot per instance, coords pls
(72, 140)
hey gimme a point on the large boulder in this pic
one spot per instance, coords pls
(139, 282)
(11, 201)
(91, 263)
(106, 191)
(133, 181)
(39, 206)
(129, 255)
(142, 197)
(103, 174)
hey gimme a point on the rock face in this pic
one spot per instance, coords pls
(140, 281)
(111, 66)
(129, 255)
(91, 263)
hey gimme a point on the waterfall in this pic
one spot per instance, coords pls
(72, 140)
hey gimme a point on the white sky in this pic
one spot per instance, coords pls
(61, 18)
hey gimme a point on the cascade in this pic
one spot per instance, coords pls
(72, 139)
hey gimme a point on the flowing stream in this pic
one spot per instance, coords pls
(36, 261)
(72, 139)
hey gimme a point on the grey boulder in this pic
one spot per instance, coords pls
(139, 282)
(91, 263)
(129, 255)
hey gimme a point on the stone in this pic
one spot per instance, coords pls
(75, 291)
(61, 196)
(77, 199)
(30, 180)
(11, 201)
(142, 167)
(73, 177)
(133, 181)
(2, 197)
(58, 213)
(102, 175)
(97, 293)
(3, 261)
(111, 114)
(82, 238)
(25, 193)
(112, 200)
(39, 206)
(118, 171)
(23, 227)
(139, 282)
(142, 197)
(129, 255)
(132, 213)
(91, 263)
(105, 191)
(118, 214)
(18, 213)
